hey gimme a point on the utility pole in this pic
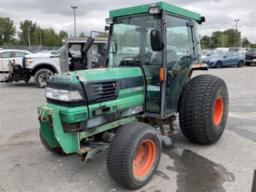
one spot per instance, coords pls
(236, 30)
(74, 12)
(40, 36)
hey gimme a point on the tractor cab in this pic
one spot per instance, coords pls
(162, 40)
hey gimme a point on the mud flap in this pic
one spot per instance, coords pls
(52, 130)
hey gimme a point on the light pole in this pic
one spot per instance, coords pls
(74, 11)
(236, 30)
(1, 34)
(29, 38)
(40, 36)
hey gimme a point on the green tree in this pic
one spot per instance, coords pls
(216, 39)
(62, 35)
(29, 33)
(227, 38)
(7, 31)
(205, 42)
(234, 37)
(82, 34)
(246, 42)
(50, 37)
(103, 34)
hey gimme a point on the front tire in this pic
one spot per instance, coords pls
(218, 64)
(204, 109)
(240, 64)
(42, 76)
(134, 155)
(56, 150)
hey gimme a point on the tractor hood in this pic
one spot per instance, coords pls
(102, 74)
(98, 85)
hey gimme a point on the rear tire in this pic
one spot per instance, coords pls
(56, 150)
(42, 76)
(218, 64)
(134, 155)
(248, 64)
(204, 109)
(240, 64)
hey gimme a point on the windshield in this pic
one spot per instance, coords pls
(130, 42)
(60, 50)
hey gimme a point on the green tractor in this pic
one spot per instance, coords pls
(129, 106)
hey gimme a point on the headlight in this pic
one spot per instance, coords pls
(63, 95)
(28, 61)
(154, 10)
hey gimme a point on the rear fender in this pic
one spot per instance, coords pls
(194, 67)
(200, 66)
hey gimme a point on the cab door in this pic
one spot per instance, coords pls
(180, 54)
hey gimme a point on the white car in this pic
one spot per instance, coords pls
(7, 55)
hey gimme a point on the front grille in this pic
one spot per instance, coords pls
(101, 91)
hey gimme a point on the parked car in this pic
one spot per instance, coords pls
(206, 53)
(250, 57)
(9, 55)
(225, 59)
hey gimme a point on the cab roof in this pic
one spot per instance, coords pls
(173, 9)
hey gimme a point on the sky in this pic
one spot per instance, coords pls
(91, 14)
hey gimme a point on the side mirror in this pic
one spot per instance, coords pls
(156, 40)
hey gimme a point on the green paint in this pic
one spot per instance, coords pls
(67, 78)
(107, 127)
(108, 73)
(162, 5)
(48, 134)
(71, 114)
(127, 99)
(67, 141)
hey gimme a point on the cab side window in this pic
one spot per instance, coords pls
(179, 44)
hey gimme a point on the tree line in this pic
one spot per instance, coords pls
(29, 33)
(227, 38)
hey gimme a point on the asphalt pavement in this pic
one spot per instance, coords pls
(25, 165)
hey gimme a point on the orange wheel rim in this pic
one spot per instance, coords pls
(144, 158)
(218, 111)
